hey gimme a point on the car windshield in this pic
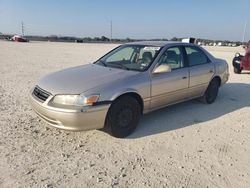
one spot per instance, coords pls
(130, 57)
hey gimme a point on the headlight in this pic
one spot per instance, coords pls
(75, 100)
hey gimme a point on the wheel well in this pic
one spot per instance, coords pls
(218, 79)
(135, 96)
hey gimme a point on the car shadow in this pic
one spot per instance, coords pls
(232, 97)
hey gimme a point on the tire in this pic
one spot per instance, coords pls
(237, 71)
(236, 64)
(123, 116)
(211, 93)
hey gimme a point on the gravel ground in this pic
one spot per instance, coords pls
(185, 145)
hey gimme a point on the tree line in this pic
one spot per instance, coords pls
(55, 38)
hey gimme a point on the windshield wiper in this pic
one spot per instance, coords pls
(102, 62)
(119, 66)
(123, 67)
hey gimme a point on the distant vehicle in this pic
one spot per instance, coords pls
(79, 41)
(241, 62)
(18, 38)
(132, 79)
(189, 40)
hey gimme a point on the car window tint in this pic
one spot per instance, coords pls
(173, 57)
(196, 56)
(123, 54)
(131, 57)
(142, 51)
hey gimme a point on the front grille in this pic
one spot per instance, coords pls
(40, 93)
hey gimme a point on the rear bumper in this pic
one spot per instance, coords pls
(224, 75)
(86, 118)
(224, 78)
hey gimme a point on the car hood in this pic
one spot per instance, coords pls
(79, 79)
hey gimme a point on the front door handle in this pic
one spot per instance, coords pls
(211, 71)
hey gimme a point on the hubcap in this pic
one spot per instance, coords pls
(124, 117)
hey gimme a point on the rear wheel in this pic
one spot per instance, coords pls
(211, 92)
(123, 116)
(237, 71)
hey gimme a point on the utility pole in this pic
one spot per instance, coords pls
(245, 27)
(22, 29)
(244, 32)
(111, 30)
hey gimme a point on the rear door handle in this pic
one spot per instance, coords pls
(184, 77)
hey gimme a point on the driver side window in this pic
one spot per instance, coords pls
(173, 57)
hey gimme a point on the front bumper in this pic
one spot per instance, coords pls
(86, 118)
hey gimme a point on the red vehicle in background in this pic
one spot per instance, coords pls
(241, 62)
(18, 38)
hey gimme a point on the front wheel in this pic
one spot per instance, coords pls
(123, 116)
(237, 71)
(211, 92)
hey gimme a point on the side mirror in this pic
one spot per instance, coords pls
(163, 68)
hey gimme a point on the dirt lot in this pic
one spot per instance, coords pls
(186, 145)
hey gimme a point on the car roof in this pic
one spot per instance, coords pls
(153, 43)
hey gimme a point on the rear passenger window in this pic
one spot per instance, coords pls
(196, 56)
(173, 57)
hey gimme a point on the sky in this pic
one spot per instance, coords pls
(137, 19)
